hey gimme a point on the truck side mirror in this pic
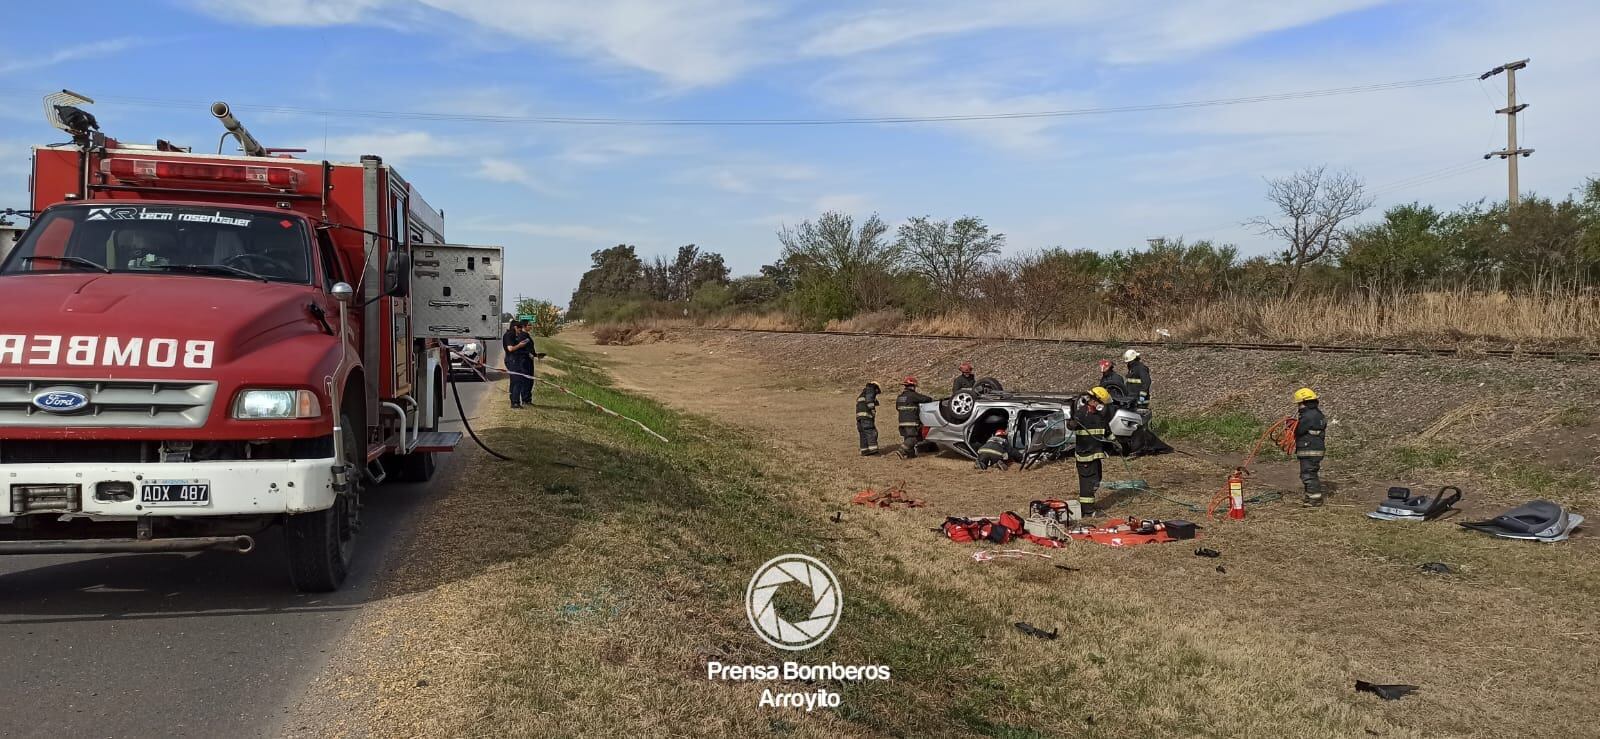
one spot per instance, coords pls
(397, 274)
(343, 292)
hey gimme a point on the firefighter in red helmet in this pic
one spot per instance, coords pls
(907, 404)
(1113, 382)
(994, 453)
(965, 380)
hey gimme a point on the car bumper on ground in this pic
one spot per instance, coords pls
(231, 488)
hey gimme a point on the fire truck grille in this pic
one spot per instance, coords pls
(171, 404)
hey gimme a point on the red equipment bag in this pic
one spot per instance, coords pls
(961, 529)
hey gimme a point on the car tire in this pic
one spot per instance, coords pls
(321, 544)
(988, 385)
(959, 407)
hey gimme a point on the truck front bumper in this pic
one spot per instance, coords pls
(235, 487)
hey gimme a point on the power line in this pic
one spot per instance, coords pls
(954, 118)
(1424, 178)
(1405, 183)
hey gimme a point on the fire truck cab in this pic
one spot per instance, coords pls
(198, 347)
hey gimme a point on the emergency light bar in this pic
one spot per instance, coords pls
(146, 170)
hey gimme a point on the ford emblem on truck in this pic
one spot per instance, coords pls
(60, 401)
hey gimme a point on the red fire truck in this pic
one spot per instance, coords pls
(197, 347)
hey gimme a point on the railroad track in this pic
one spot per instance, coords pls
(1263, 347)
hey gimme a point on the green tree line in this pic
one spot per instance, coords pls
(839, 266)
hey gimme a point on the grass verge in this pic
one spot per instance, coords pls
(1227, 430)
(620, 565)
(583, 589)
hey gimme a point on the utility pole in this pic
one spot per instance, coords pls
(1511, 152)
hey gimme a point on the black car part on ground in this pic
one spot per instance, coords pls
(1386, 692)
(1036, 632)
(1537, 520)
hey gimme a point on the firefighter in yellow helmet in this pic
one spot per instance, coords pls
(1090, 423)
(1310, 443)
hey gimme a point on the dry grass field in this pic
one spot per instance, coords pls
(581, 590)
(1435, 319)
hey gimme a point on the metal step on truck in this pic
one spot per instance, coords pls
(198, 347)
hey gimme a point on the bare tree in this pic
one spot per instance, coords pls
(1313, 205)
(950, 256)
(858, 259)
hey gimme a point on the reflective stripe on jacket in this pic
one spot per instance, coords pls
(907, 403)
(1311, 432)
(1090, 423)
(1138, 382)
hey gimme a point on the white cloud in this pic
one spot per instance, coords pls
(608, 152)
(847, 203)
(295, 12)
(506, 171)
(1130, 32)
(564, 231)
(920, 87)
(1188, 26)
(393, 146)
(66, 54)
(750, 178)
(688, 43)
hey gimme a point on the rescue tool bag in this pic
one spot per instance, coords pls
(997, 533)
(1011, 521)
(960, 529)
(1052, 508)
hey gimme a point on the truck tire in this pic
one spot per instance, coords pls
(321, 543)
(418, 466)
(414, 467)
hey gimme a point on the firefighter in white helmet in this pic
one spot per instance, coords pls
(1138, 379)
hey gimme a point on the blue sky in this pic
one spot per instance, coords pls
(552, 194)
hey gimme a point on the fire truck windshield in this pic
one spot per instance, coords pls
(166, 239)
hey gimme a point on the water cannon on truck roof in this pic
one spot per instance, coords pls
(201, 346)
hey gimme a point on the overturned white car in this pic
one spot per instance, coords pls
(1035, 424)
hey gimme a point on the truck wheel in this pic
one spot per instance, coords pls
(321, 543)
(419, 466)
(414, 467)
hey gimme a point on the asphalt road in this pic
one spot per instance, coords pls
(201, 644)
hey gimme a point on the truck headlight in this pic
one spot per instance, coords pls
(256, 405)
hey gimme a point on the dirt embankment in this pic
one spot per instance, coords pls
(1325, 595)
(1402, 419)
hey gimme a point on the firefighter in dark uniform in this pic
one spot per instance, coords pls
(519, 362)
(993, 453)
(866, 418)
(1090, 423)
(965, 380)
(1138, 382)
(1310, 443)
(1113, 383)
(910, 421)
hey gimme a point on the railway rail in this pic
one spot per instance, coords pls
(1464, 351)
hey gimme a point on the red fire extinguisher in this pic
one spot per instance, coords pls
(1236, 494)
